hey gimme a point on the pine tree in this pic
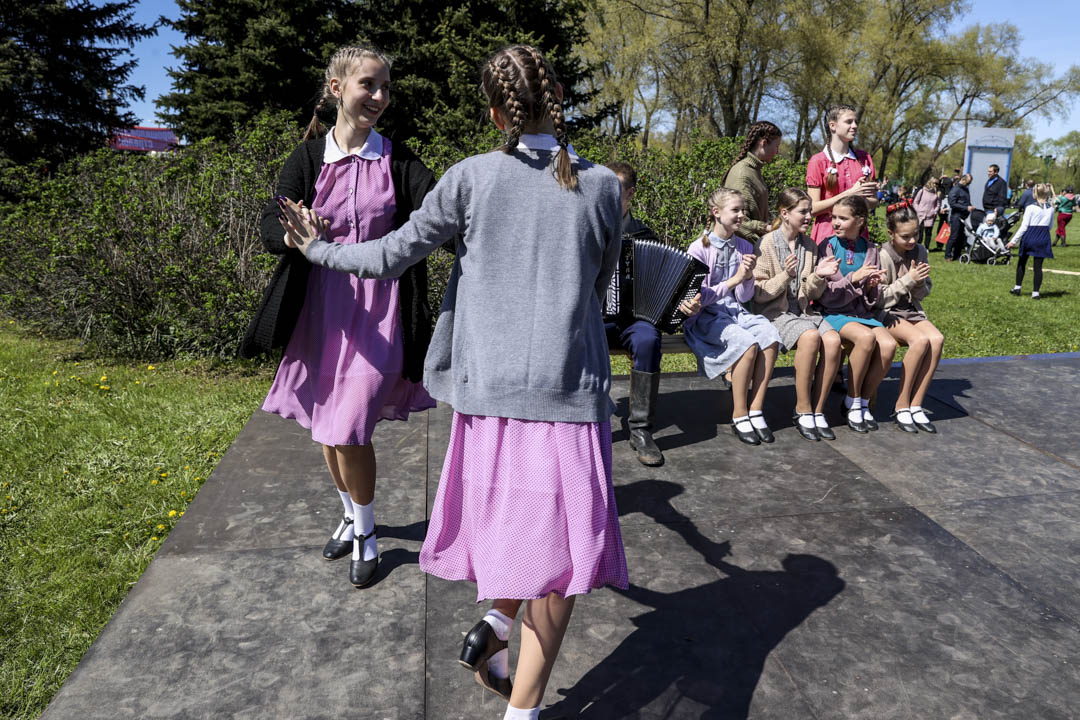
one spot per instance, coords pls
(245, 56)
(62, 76)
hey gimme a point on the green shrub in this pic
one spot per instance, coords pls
(159, 256)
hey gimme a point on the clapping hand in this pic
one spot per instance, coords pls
(691, 307)
(921, 271)
(791, 264)
(827, 267)
(302, 225)
(746, 266)
(864, 273)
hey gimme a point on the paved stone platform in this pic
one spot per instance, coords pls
(879, 576)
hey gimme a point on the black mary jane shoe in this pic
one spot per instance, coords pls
(362, 572)
(859, 427)
(480, 644)
(927, 427)
(750, 438)
(335, 548)
(810, 433)
(1014, 291)
(826, 433)
(906, 427)
(764, 434)
(870, 424)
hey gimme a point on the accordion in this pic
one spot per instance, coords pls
(651, 281)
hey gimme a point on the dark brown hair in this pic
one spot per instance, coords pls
(857, 205)
(520, 84)
(761, 130)
(789, 199)
(832, 180)
(902, 214)
(627, 174)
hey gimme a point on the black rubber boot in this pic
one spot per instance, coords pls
(644, 387)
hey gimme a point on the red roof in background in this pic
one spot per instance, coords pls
(144, 139)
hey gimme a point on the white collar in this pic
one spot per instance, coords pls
(850, 153)
(715, 239)
(371, 150)
(542, 142)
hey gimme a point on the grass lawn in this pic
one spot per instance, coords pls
(99, 462)
(972, 307)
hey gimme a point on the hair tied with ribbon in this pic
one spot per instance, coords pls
(897, 205)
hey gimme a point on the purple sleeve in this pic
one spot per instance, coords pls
(709, 293)
(744, 291)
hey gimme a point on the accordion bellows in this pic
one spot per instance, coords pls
(652, 280)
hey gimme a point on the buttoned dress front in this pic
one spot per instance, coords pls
(342, 370)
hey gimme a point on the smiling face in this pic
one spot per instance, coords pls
(905, 236)
(845, 224)
(798, 218)
(364, 94)
(728, 216)
(845, 126)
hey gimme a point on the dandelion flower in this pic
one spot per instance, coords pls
(154, 481)
(160, 526)
(103, 378)
(150, 367)
(181, 513)
(183, 493)
(154, 537)
(164, 474)
(172, 513)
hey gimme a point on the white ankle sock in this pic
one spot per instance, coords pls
(918, 415)
(903, 415)
(865, 403)
(346, 501)
(854, 406)
(499, 663)
(1035, 294)
(820, 421)
(757, 419)
(345, 532)
(743, 424)
(1016, 287)
(807, 421)
(513, 713)
(363, 523)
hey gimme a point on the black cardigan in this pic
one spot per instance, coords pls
(283, 298)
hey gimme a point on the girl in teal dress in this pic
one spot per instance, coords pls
(848, 305)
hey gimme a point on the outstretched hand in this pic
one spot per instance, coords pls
(827, 267)
(302, 225)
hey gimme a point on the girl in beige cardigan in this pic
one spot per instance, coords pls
(906, 283)
(787, 276)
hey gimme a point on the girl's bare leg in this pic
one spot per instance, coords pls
(331, 463)
(542, 633)
(806, 353)
(763, 368)
(907, 334)
(741, 374)
(356, 464)
(826, 368)
(880, 361)
(930, 361)
(862, 340)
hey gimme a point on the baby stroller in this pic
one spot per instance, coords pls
(982, 250)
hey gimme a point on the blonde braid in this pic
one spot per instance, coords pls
(341, 64)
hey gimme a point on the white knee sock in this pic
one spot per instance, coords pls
(499, 663)
(513, 713)
(757, 419)
(363, 523)
(345, 532)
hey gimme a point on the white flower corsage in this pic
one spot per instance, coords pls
(832, 170)
(866, 171)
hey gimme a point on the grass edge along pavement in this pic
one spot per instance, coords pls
(100, 460)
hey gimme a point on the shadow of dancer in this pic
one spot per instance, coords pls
(698, 652)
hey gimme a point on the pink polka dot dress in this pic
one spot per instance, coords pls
(525, 508)
(341, 371)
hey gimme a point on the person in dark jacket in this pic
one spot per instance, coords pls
(640, 338)
(353, 348)
(1027, 197)
(995, 194)
(959, 207)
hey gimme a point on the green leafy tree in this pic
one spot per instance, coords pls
(63, 76)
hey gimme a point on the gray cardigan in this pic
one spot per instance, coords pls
(520, 332)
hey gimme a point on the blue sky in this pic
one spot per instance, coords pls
(1050, 36)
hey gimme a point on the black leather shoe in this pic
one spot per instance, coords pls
(1014, 291)
(335, 548)
(925, 427)
(750, 438)
(906, 427)
(826, 432)
(764, 434)
(870, 423)
(480, 644)
(808, 433)
(859, 427)
(362, 572)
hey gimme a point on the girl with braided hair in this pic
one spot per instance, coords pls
(839, 171)
(354, 347)
(525, 506)
(760, 147)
